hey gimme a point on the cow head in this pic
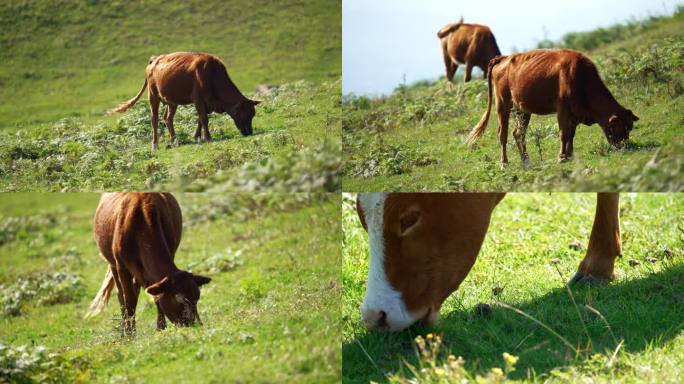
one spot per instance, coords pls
(422, 246)
(177, 295)
(618, 126)
(242, 114)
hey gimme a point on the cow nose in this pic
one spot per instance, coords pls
(375, 319)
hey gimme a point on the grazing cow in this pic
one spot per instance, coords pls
(546, 81)
(422, 246)
(201, 79)
(138, 234)
(469, 44)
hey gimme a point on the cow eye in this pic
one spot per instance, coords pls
(408, 221)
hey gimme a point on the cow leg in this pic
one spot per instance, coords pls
(161, 320)
(203, 122)
(170, 113)
(604, 243)
(198, 132)
(519, 132)
(154, 108)
(130, 296)
(567, 128)
(503, 110)
(571, 137)
(468, 71)
(122, 301)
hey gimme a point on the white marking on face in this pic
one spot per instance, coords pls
(380, 295)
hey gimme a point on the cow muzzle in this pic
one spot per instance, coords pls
(391, 319)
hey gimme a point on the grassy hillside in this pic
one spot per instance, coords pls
(64, 63)
(414, 139)
(269, 313)
(631, 330)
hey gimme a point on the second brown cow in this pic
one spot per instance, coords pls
(470, 44)
(138, 234)
(546, 81)
(201, 79)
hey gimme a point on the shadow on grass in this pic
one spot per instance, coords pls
(643, 312)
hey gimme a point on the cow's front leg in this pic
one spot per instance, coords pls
(161, 320)
(203, 124)
(198, 132)
(567, 133)
(604, 244)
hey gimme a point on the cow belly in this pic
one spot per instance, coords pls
(176, 88)
(539, 97)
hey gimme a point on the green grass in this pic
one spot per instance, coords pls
(413, 140)
(269, 314)
(643, 308)
(65, 63)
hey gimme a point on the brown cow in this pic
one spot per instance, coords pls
(138, 234)
(469, 44)
(546, 81)
(422, 246)
(201, 79)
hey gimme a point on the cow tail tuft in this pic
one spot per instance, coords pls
(125, 106)
(102, 298)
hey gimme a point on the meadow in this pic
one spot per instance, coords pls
(538, 330)
(414, 139)
(65, 63)
(269, 312)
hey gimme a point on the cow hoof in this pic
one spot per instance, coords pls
(504, 165)
(562, 160)
(155, 146)
(581, 278)
(198, 140)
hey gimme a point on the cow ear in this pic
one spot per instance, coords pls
(201, 280)
(634, 117)
(159, 287)
(408, 221)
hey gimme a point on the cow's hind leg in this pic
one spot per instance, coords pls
(519, 132)
(130, 292)
(154, 109)
(449, 64)
(604, 244)
(503, 110)
(170, 113)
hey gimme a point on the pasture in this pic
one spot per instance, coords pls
(65, 63)
(630, 330)
(269, 313)
(413, 139)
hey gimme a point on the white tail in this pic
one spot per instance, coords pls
(102, 297)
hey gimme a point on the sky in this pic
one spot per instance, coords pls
(388, 42)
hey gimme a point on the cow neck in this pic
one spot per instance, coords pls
(232, 96)
(156, 269)
(601, 102)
